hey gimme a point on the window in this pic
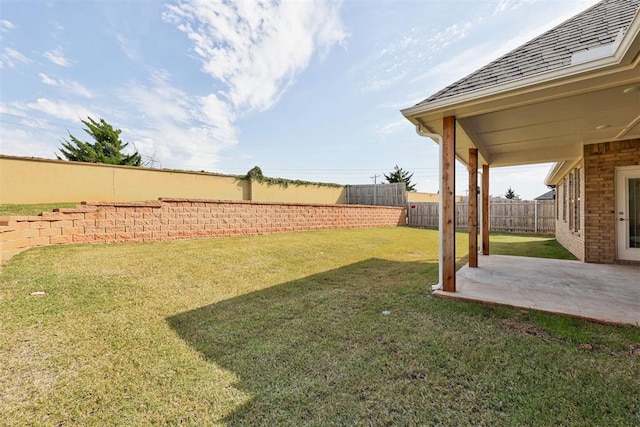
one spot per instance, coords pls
(576, 198)
(564, 199)
(570, 196)
(555, 202)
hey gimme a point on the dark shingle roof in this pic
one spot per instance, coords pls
(549, 195)
(595, 27)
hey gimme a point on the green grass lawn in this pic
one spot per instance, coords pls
(313, 328)
(27, 210)
(536, 246)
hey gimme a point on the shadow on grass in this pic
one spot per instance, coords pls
(318, 349)
(366, 345)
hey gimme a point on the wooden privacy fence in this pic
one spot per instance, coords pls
(377, 194)
(509, 216)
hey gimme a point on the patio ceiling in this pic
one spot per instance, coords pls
(547, 117)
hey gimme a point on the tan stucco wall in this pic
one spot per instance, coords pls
(423, 197)
(426, 197)
(297, 194)
(29, 181)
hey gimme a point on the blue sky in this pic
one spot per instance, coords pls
(304, 89)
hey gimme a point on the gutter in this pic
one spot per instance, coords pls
(437, 138)
(559, 170)
(551, 175)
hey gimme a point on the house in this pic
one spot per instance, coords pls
(548, 196)
(570, 96)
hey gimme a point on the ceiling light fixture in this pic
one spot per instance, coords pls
(600, 127)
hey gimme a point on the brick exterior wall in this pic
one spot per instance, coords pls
(600, 161)
(567, 234)
(175, 219)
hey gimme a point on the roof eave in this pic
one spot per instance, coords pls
(512, 86)
(553, 176)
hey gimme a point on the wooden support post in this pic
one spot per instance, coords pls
(448, 204)
(473, 207)
(485, 209)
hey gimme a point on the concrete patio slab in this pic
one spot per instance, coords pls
(598, 292)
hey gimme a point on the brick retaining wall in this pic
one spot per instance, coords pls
(175, 219)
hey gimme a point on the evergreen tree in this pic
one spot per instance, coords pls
(511, 195)
(106, 148)
(400, 175)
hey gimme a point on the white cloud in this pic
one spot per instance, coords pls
(409, 52)
(22, 116)
(68, 85)
(11, 57)
(399, 103)
(161, 102)
(10, 111)
(126, 47)
(443, 38)
(6, 25)
(216, 114)
(61, 109)
(57, 57)
(253, 49)
(256, 48)
(174, 127)
(507, 5)
(443, 73)
(393, 127)
(25, 142)
(47, 80)
(26, 135)
(177, 147)
(179, 128)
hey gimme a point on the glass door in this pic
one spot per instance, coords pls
(628, 213)
(634, 212)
